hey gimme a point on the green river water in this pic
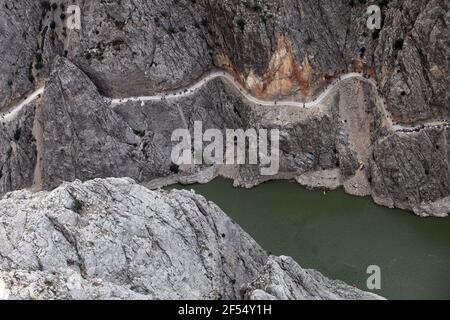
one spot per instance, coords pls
(341, 235)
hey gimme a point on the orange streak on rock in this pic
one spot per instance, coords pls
(283, 77)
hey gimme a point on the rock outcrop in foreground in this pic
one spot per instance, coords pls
(114, 239)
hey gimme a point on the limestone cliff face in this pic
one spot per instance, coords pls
(114, 239)
(344, 142)
(158, 46)
(275, 49)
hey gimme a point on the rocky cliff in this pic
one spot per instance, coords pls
(274, 49)
(162, 45)
(114, 239)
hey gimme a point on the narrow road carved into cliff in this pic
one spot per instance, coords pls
(189, 91)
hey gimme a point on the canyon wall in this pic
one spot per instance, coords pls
(114, 239)
(275, 49)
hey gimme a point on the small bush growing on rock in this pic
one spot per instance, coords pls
(139, 133)
(398, 44)
(174, 168)
(77, 205)
(241, 23)
(117, 43)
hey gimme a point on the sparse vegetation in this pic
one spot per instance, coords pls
(362, 51)
(171, 30)
(375, 34)
(257, 7)
(77, 205)
(117, 43)
(17, 134)
(241, 23)
(398, 44)
(383, 3)
(253, 5)
(39, 61)
(140, 133)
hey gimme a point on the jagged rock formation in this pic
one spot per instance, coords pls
(413, 172)
(113, 238)
(17, 151)
(283, 279)
(93, 141)
(157, 46)
(82, 136)
(19, 27)
(143, 47)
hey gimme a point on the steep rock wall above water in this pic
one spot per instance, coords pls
(113, 238)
